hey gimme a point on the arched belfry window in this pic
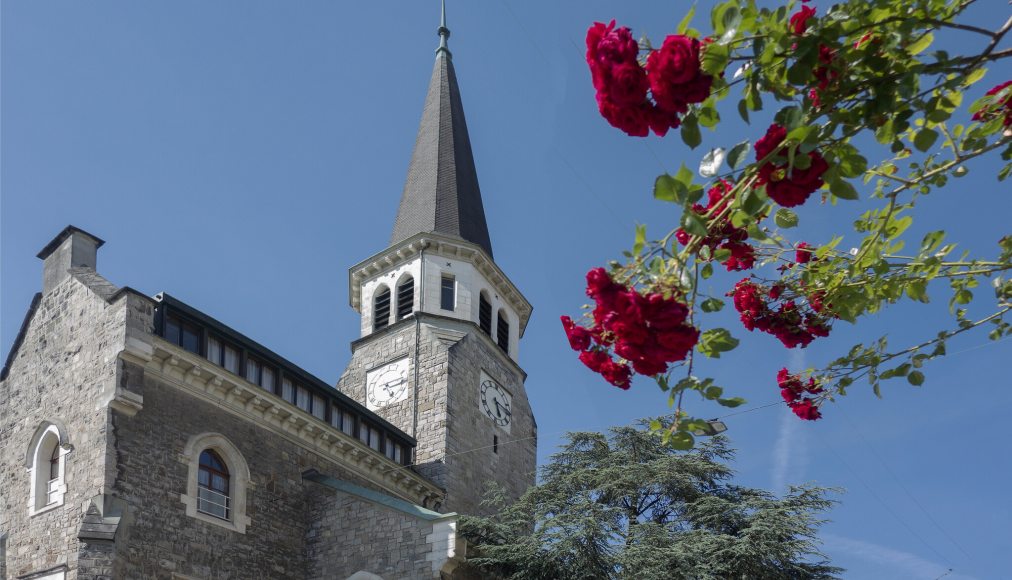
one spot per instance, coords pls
(405, 297)
(213, 486)
(484, 313)
(381, 308)
(46, 463)
(502, 331)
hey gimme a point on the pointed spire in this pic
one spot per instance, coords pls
(444, 32)
(441, 192)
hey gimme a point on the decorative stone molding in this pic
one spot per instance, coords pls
(228, 392)
(238, 480)
(443, 246)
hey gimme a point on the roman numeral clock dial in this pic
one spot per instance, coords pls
(496, 403)
(387, 384)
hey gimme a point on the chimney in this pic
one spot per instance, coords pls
(71, 248)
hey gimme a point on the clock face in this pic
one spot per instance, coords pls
(387, 384)
(496, 403)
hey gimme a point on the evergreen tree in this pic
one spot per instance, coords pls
(624, 505)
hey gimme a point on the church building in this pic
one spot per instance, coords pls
(141, 438)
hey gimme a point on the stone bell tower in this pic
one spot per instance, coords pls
(441, 323)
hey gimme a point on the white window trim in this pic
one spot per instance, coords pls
(39, 467)
(238, 481)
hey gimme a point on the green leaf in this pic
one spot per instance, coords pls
(684, 24)
(706, 271)
(852, 164)
(666, 188)
(692, 223)
(715, 59)
(713, 392)
(785, 218)
(918, 290)
(715, 341)
(682, 440)
(641, 239)
(753, 202)
(843, 189)
(708, 116)
(712, 305)
(925, 138)
(738, 153)
(731, 402)
(974, 76)
(916, 378)
(920, 44)
(690, 131)
(931, 241)
(743, 110)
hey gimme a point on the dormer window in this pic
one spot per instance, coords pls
(502, 332)
(484, 314)
(405, 297)
(381, 308)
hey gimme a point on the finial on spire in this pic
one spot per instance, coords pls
(444, 32)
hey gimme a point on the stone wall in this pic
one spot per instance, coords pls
(152, 476)
(65, 366)
(447, 360)
(347, 534)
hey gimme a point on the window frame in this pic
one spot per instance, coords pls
(239, 480)
(213, 471)
(448, 294)
(405, 297)
(502, 338)
(381, 322)
(484, 313)
(46, 492)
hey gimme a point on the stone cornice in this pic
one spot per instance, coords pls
(200, 378)
(443, 246)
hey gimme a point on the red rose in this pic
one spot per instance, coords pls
(579, 337)
(787, 188)
(608, 47)
(806, 409)
(676, 79)
(803, 254)
(617, 374)
(995, 108)
(594, 359)
(635, 121)
(799, 20)
(628, 85)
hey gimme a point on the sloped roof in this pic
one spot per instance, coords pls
(441, 192)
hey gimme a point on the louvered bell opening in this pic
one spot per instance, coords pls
(381, 309)
(502, 331)
(484, 315)
(405, 298)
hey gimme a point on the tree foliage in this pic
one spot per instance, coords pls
(861, 109)
(625, 505)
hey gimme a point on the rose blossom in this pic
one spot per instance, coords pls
(676, 79)
(788, 188)
(997, 107)
(799, 20)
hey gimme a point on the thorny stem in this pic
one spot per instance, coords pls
(863, 369)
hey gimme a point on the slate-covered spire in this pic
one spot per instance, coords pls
(441, 193)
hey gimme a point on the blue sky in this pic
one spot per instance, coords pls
(242, 155)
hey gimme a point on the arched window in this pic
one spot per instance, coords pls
(46, 466)
(484, 314)
(405, 297)
(216, 482)
(212, 483)
(381, 308)
(502, 331)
